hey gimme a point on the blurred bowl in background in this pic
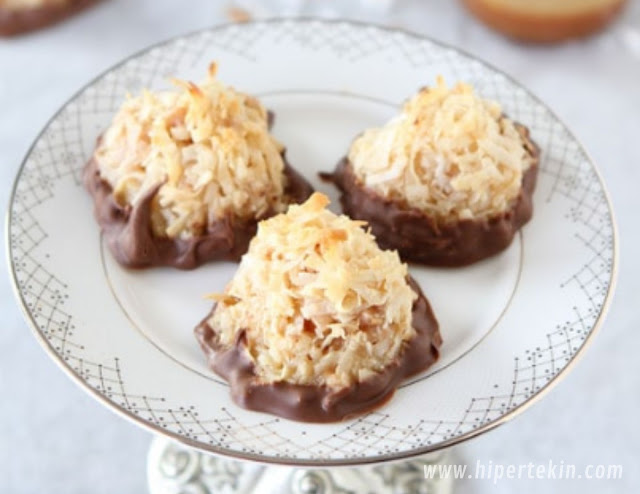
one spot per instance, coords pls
(545, 20)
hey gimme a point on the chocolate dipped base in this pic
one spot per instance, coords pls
(127, 229)
(420, 238)
(19, 21)
(319, 404)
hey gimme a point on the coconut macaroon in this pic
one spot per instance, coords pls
(447, 182)
(182, 177)
(20, 16)
(318, 323)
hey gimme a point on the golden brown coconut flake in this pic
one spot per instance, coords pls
(207, 144)
(449, 153)
(320, 303)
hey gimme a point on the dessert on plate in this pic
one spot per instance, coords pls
(318, 324)
(447, 182)
(20, 16)
(182, 177)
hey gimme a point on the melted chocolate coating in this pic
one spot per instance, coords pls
(128, 233)
(422, 239)
(319, 403)
(19, 21)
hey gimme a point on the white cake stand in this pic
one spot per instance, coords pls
(175, 469)
(512, 325)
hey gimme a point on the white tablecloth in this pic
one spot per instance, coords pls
(54, 438)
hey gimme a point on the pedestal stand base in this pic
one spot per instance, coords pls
(176, 469)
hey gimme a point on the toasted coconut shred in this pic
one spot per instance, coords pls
(319, 301)
(208, 149)
(449, 153)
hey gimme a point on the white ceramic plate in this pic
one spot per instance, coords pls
(511, 325)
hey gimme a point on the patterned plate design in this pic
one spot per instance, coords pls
(512, 324)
